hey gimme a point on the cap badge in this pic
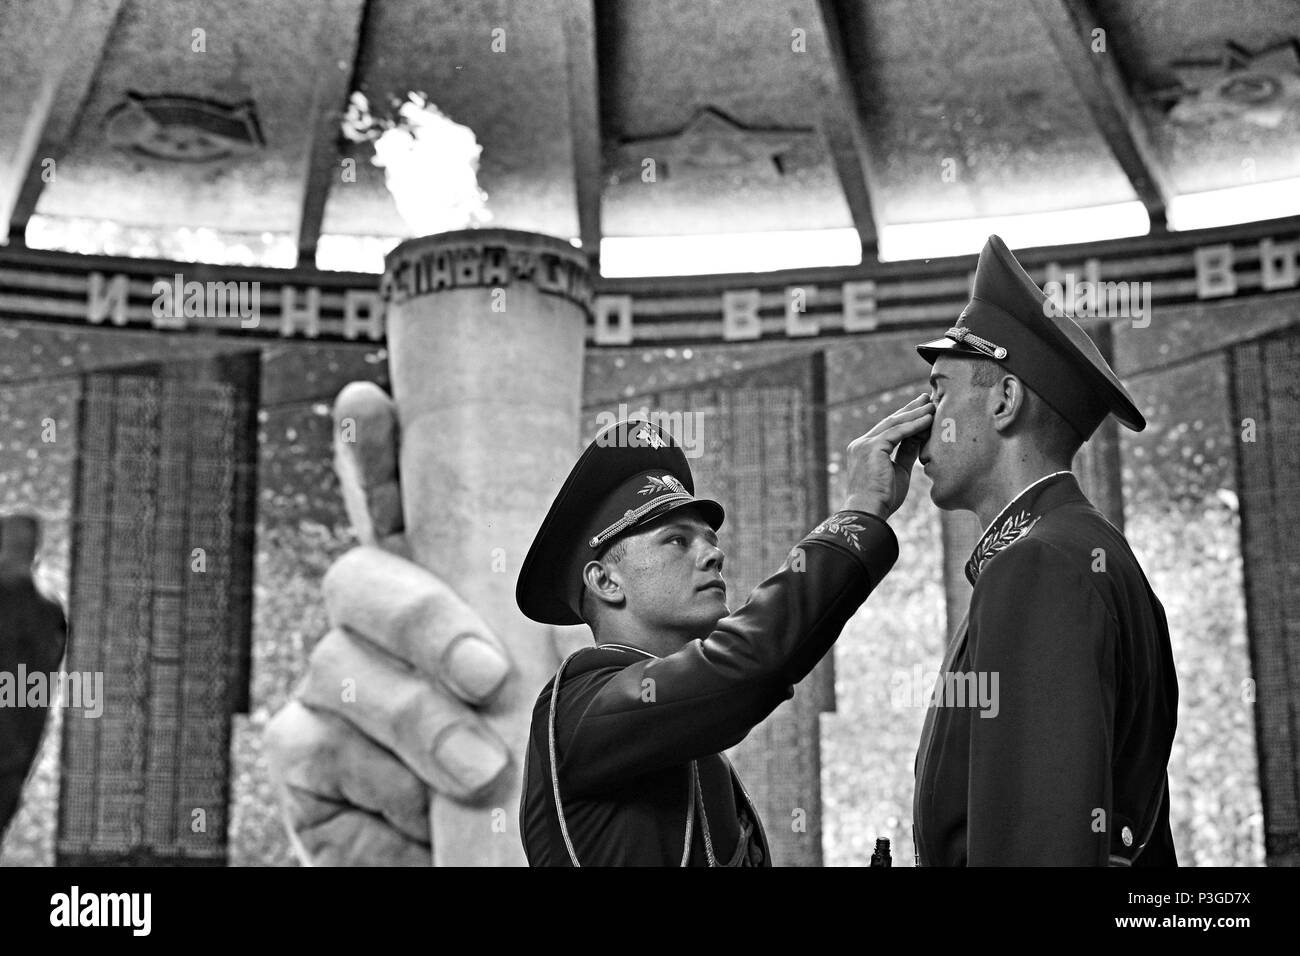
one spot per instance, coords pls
(665, 485)
(663, 490)
(649, 436)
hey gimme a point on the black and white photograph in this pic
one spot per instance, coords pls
(819, 434)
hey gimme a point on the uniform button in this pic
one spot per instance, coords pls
(1127, 836)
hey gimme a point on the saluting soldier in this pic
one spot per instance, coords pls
(624, 764)
(1067, 765)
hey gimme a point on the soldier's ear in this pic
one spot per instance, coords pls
(1010, 400)
(601, 585)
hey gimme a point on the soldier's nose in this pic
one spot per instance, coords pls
(713, 559)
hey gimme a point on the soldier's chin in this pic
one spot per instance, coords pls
(715, 609)
(938, 495)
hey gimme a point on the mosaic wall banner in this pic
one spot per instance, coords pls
(161, 606)
(1266, 406)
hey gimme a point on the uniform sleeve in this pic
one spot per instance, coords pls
(616, 724)
(1040, 755)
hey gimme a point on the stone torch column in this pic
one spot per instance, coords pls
(485, 341)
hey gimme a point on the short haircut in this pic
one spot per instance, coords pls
(1055, 435)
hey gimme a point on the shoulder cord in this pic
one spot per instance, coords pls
(704, 818)
(750, 809)
(693, 795)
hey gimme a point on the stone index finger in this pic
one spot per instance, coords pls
(413, 615)
(365, 460)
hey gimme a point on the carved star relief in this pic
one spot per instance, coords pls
(1260, 87)
(713, 142)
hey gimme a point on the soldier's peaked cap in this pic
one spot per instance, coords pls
(633, 473)
(1007, 321)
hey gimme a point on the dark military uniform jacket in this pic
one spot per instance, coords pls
(632, 732)
(1048, 735)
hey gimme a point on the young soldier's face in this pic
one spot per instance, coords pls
(958, 453)
(671, 575)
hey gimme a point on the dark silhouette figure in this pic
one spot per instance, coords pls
(33, 633)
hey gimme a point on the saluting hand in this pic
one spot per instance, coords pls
(880, 462)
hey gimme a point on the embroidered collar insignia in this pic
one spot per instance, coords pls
(1011, 530)
(1014, 522)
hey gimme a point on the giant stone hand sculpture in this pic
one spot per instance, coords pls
(404, 744)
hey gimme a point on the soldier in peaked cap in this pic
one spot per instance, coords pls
(624, 764)
(1049, 731)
